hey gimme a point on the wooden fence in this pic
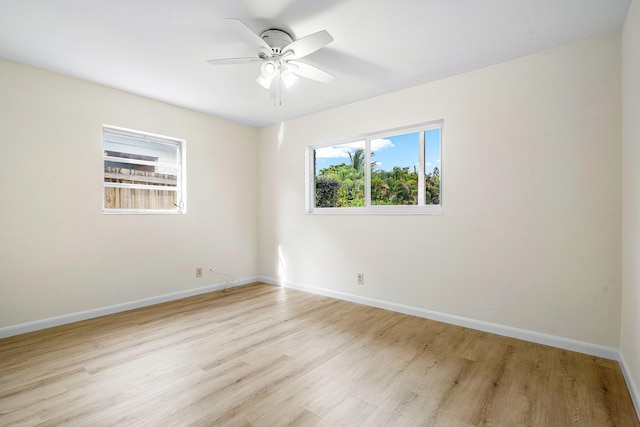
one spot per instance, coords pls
(128, 196)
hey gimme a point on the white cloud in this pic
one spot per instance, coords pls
(429, 164)
(338, 151)
(380, 144)
(332, 152)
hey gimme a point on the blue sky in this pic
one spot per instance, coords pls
(432, 145)
(401, 150)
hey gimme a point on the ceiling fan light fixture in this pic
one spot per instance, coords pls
(265, 82)
(268, 68)
(268, 71)
(288, 78)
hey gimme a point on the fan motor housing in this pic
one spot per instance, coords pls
(277, 39)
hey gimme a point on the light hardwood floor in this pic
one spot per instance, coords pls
(266, 356)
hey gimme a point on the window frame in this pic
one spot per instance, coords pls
(181, 187)
(420, 209)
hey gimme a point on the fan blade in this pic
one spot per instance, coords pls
(306, 45)
(233, 61)
(251, 37)
(310, 72)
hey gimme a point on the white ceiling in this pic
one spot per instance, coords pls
(159, 48)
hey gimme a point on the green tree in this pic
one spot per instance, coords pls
(357, 159)
(395, 187)
(432, 187)
(327, 191)
(343, 185)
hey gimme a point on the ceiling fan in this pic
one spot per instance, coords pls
(278, 54)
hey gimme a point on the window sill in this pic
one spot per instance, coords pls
(141, 212)
(380, 210)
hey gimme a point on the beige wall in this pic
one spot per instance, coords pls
(630, 337)
(531, 235)
(58, 253)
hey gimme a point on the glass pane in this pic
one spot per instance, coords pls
(140, 161)
(140, 149)
(394, 170)
(139, 174)
(138, 198)
(339, 175)
(433, 165)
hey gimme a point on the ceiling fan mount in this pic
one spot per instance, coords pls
(278, 54)
(276, 39)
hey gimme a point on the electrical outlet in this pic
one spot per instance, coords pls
(198, 271)
(360, 279)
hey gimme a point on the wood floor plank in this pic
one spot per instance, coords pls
(266, 356)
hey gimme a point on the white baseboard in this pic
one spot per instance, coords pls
(494, 328)
(103, 311)
(631, 384)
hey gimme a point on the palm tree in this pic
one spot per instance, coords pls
(357, 159)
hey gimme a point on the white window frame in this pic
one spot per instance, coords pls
(181, 196)
(420, 209)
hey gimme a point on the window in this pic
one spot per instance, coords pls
(398, 171)
(143, 173)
